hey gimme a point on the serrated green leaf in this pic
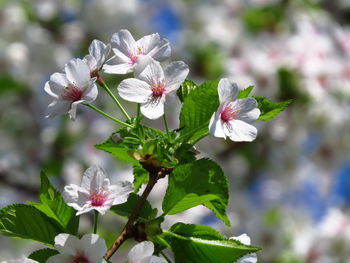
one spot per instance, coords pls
(116, 150)
(202, 244)
(42, 255)
(201, 182)
(245, 93)
(197, 109)
(125, 209)
(27, 222)
(186, 87)
(53, 205)
(140, 177)
(270, 109)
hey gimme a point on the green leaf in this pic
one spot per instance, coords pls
(186, 87)
(116, 150)
(53, 205)
(201, 182)
(197, 109)
(125, 209)
(43, 255)
(202, 244)
(245, 93)
(140, 177)
(27, 222)
(270, 109)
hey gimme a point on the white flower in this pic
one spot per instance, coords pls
(127, 50)
(152, 84)
(90, 248)
(233, 117)
(70, 89)
(98, 52)
(24, 260)
(96, 192)
(143, 253)
(250, 258)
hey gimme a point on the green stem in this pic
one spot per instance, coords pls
(95, 221)
(164, 256)
(165, 123)
(107, 115)
(103, 85)
(138, 110)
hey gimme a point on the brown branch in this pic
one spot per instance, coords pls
(128, 230)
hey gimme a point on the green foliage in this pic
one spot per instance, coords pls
(202, 244)
(27, 222)
(9, 85)
(197, 109)
(42, 255)
(146, 213)
(186, 87)
(53, 206)
(270, 109)
(201, 182)
(245, 93)
(140, 177)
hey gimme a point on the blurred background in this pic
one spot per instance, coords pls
(290, 188)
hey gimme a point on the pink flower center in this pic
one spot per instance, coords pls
(80, 259)
(133, 55)
(158, 89)
(98, 199)
(72, 93)
(227, 113)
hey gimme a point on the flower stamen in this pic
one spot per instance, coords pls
(97, 199)
(72, 93)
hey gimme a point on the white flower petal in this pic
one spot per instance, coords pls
(120, 192)
(155, 259)
(153, 109)
(141, 62)
(249, 116)
(60, 259)
(250, 258)
(94, 247)
(227, 90)
(78, 72)
(57, 107)
(67, 244)
(91, 62)
(142, 252)
(123, 42)
(175, 73)
(99, 51)
(55, 87)
(134, 90)
(117, 65)
(93, 179)
(244, 239)
(240, 131)
(73, 109)
(245, 105)
(151, 73)
(90, 94)
(154, 46)
(75, 196)
(216, 127)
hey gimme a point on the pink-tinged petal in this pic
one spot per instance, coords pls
(227, 90)
(73, 109)
(91, 62)
(93, 247)
(99, 51)
(121, 191)
(67, 244)
(175, 73)
(216, 127)
(57, 107)
(90, 94)
(240, 131)
(134, 90)
(154, 108)
(123, 42)
(154, 46)
(116, 65)
(78, 72)
(249, 116)
(151, 73)
(93, 179)
(60, 259)
(245, 105)
(55, 87)
(142, 252)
